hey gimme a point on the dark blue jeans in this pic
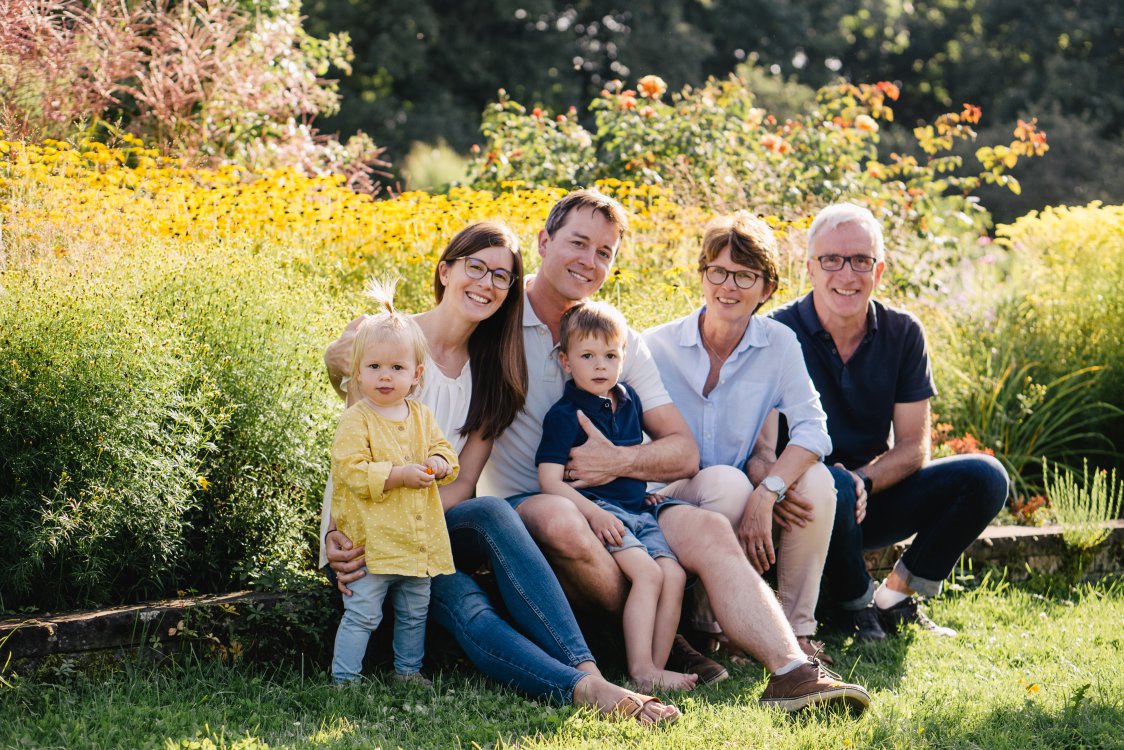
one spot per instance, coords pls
(946, 504)
(538, 650)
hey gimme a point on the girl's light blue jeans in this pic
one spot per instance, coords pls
(362, 612)
(536, 648)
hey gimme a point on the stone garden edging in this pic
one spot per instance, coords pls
(1018, 549)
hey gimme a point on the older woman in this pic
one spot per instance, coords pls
(726, 368)
(475, 383)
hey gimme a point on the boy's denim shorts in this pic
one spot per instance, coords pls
(640, 530)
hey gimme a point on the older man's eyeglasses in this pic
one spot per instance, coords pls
(859, 263)
(717, 275)
(478, 269)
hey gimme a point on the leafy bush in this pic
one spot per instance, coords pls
(717, 150)
(164, 422)
(102, 447)
(1067, 264)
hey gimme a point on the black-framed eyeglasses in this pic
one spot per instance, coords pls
(478, 269)
(859, 263)
(717, 275)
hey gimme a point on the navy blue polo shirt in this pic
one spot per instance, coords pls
(891, 366)
(561, 432)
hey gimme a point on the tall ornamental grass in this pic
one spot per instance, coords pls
(1082, 509)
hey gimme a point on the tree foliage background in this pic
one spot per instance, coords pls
(425, 69)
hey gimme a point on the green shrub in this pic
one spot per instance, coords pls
(164, 418)
(719, 150)
(1030, 358)
(1066, 265)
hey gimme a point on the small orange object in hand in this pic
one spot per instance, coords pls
(429, 470)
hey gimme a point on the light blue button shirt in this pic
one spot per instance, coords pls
(765, 371)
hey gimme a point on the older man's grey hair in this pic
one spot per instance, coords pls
(838, 214)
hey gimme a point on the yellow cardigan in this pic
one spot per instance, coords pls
(403, 529)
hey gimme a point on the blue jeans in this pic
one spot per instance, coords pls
(947, 504)
(537, 651)
(362, 612)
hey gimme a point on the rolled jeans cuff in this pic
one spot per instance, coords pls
(923, 586)
(860, 602)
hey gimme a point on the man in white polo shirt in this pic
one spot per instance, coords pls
(578, 246)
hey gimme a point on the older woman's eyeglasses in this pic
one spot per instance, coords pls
(859, 263)
(478, 269)
(742, 279)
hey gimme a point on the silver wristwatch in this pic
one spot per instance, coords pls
(776, 485)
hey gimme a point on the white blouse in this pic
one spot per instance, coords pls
(448, 399)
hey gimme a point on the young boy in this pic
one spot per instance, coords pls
(592, 349)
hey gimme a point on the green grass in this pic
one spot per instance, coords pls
(1029, 670)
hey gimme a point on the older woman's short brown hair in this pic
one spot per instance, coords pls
(749, 238)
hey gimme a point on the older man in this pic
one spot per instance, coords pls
(870, 364)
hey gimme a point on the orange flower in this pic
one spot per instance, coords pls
(1028, 131)
(560, 118)
(651, 87)
(646, 111)
(775, 143)
(971, 113)
(628, 100)
(536, 113)
(866, 124)
(888, 89)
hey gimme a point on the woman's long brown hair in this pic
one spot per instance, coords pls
(495, 348)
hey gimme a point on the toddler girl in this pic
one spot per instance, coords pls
(388, 457)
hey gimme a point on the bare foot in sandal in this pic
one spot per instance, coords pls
(662, 679)
(615, 701)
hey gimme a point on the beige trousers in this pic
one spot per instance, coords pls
(801, 552)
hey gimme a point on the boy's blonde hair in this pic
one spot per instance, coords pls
(598, 319)
(391, 324)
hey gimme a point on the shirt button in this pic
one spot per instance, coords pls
(421, 548)
(417, 517)
(401, 428)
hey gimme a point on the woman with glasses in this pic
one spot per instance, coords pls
(727, 368)
(475, 382)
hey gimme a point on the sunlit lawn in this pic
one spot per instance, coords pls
(1029, 670)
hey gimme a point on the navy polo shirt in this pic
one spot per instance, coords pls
(561, 432)
(891, 366)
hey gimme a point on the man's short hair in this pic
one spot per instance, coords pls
(838, 214)
(598, 319)
(587, 198)
(751, 242)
